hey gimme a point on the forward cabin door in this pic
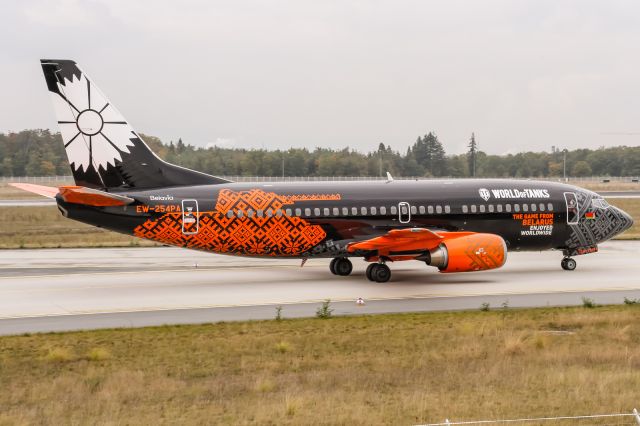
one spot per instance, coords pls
(190, 217)
(572, 208)
(404, 212)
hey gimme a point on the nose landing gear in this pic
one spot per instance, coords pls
(568, 264)
(340, 266)
(378, 272)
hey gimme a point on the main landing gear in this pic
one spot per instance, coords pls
(341, 266)
(568, 264)
(378, 272)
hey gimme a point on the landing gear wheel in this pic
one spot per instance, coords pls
(382, 273)
(371, 271)
(332, 265)
(342, 266)
(568, 264)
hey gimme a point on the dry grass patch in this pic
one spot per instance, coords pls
(387, 369)
(45, 227)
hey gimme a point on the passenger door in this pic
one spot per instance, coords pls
(190, 217)
(404, 212)
(573, 212)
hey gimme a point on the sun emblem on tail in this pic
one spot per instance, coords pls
(94, 132)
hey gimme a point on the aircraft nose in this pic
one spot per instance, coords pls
(626, 221)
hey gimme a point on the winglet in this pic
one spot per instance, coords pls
(45, 191)
(389, 178)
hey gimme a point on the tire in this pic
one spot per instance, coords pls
(371, 271)
(343, 267)
(382, 273)
(332, 265)
(569, 264)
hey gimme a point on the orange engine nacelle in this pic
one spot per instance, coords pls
(475, 252)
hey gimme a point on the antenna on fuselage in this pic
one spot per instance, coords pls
(389, 178)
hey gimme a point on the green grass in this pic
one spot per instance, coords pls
(387, 369)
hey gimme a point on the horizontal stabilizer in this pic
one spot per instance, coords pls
(92, 197)
(45, 191)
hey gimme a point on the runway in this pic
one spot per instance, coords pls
(70, 289)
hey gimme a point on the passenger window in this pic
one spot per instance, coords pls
(259, 213)
(269, 213)
(363, 211)
(354, 211)
(336, 211)
(525, 208)
(550, 207)
(298, 212)
(499, 208)
(345, 211)
(374, 211)
(430, 209)
(383, 210)
(250, 213)
(516, 208)
(465, 209)
(279, 212)
(490, 207)
(438, 209)
(507, 208)
(230, 214)
(307, 212)
(394, 210)
(422, 210)
(240, 213)
(447, 209)
(534, 207)
(541, 207)
(481, 208)
(473, 208)
(316, 211)
(414, 210)
(326, 212)
(288, 212)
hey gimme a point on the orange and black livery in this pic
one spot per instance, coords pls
(454, 226)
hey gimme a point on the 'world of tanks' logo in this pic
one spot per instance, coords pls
(484, 193)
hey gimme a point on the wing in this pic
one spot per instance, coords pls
(402, 244)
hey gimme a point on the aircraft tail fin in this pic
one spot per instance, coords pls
(102, 148)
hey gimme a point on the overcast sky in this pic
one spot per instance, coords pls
(522, 75)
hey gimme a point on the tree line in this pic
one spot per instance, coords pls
(41, 153)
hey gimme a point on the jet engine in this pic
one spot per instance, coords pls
(475, 252)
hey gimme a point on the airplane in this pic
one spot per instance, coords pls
(457, 225)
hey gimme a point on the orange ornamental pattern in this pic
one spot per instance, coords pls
(270, 234)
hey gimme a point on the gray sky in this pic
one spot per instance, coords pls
(523, 75)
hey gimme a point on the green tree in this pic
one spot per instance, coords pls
(472, 155)
(581, 168)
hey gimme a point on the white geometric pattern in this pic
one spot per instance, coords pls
(93, 130)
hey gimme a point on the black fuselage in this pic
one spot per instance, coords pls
(528, 215)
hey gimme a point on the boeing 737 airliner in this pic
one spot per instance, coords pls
(455, 225)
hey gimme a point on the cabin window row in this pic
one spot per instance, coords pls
(337, 211)
(507, 208)
(393, 210)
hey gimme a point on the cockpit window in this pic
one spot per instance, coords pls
(599, 203)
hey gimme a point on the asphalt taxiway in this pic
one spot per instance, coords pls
(70, 289)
